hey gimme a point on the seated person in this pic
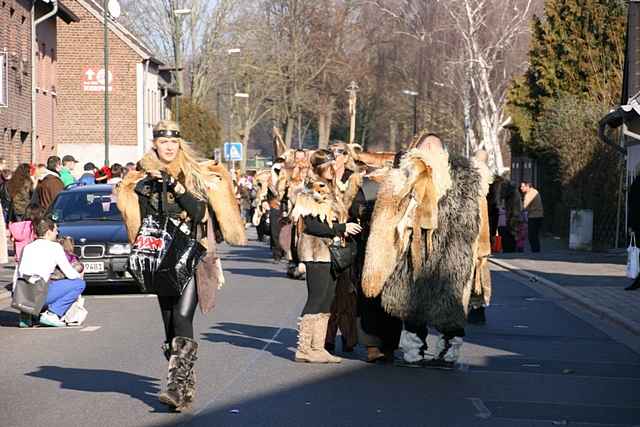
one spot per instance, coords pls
(40, 258)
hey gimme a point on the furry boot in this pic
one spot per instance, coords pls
(304, 352)
(448, 350)
(180, 378)
(411, 345)
(319, 337)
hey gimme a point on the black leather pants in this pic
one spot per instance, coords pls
(178, 312)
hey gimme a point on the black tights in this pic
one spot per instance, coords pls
(321, 288)
(178, 312)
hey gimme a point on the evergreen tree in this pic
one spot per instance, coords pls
(577, 49)
(199, 127)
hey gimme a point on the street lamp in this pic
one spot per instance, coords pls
(177, 13)
(414, 94)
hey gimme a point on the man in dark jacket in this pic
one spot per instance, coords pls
(49, 184)
(634, 220)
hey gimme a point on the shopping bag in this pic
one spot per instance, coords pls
(147, 251)
(76, 314)
(633, 258)
(30, 294)
(496, 246)
(178, 264)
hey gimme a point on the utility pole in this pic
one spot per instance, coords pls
(413, 94)
(353, 100)
(106, 83)
(177, 50)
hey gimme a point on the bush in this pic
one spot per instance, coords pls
(200, 127)
(586, 170)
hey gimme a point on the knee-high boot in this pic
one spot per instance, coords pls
(180, 378)
(319, 337)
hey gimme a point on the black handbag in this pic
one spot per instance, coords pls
(30, 294)
(343, 254)
(163, 257)
(178, 266)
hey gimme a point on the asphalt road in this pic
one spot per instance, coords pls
(538, 362)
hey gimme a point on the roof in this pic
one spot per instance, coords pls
(64, 12)
(87, 188)
(121, 31)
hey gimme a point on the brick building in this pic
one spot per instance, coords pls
(139, 90)
(15, 81)
(17, 76)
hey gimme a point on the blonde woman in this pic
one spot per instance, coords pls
(199, 193)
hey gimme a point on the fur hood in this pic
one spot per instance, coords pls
(210, 181)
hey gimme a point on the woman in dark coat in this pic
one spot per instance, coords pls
(20, 190)
(634, 220)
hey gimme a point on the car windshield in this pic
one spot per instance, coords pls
(85, 206)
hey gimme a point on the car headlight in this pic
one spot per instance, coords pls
(120, 249)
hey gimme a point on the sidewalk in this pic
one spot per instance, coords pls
(594, 280)
(6, 276)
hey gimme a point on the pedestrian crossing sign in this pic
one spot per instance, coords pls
(233, 151)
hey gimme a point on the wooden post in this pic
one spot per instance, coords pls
(353, 99)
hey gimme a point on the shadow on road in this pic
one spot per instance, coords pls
(253, 336)
(139, 387)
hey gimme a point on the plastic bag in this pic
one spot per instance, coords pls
(633, 258)
(76, 314)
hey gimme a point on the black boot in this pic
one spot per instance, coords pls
(635, 285)
(180, 379)
(476, 316)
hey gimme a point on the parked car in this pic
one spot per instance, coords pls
(89, 214)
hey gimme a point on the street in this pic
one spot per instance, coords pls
(533, 364)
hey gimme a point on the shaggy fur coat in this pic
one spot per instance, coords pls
(427, 280)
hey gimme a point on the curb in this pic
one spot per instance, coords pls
(5, 298)
(609, 314)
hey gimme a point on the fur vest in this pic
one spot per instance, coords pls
(317, 200)
(220, 197)
(428, 279)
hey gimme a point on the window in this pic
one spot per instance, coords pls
(4, 80)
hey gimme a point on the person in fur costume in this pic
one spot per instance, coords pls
(200, 194)
(427, 217)
(320, 217)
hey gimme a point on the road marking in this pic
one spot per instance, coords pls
(531, 365)
(521, 326)
(249, 365)
(90, 329)
(119, 296)
(481, 408)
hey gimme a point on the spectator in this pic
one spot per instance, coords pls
(89, 175)
(117, 173)
(40, 258)
(129, 167)
(5, 199)
(23, 232)
(103, 175)
(49, 184)
(535, 214)
(20, 192)
(66, 172)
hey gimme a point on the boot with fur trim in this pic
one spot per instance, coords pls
(411, 345)
(447, 351)
(304, 352)
(319, 337)
(179, 387)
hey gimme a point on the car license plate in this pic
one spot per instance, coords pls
(93, 267)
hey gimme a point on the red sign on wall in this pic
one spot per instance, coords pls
(93, 80)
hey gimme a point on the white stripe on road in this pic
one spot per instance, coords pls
(481, 409)
(120, 296)
(90, 329)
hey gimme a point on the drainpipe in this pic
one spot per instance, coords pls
(34, 47)
(144, 105)
(163, 101)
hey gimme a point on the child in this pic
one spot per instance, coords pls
(67, 244)
(22, 232)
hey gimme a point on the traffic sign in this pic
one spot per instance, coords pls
(233, 151)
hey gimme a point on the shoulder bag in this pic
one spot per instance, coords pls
(30, 294)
